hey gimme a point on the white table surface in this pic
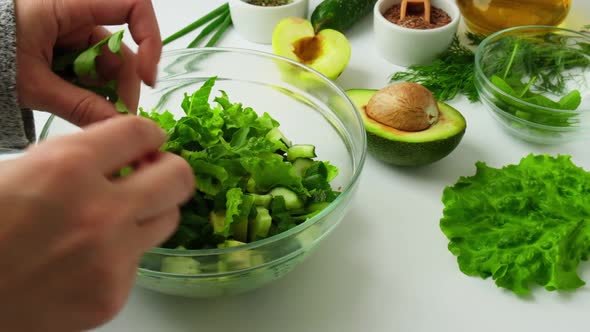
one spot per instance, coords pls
(386, 267)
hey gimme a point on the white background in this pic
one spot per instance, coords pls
(386, 267)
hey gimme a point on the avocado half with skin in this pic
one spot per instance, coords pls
(414, 147)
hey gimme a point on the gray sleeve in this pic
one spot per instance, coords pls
(17, 126)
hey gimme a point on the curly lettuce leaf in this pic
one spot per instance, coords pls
(522, 225)
(269, 170)
(238, 207)
(236, 116)
(165, 120)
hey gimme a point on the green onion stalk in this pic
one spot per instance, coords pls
(216, 22)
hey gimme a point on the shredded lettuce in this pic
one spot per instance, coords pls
(235, 160)
(522, 225)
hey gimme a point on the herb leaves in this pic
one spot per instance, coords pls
(79, 68)
(452, 73)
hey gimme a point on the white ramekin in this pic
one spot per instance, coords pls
(404, 46)
(256, 23)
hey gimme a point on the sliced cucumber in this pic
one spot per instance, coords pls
(301, 151)
(262, 200)
(275, 135)
(236, 260)
(217, 220)
(230, 244)
(259, 226)
(301, 165)
(180, 265)
(251, 186)
(311, 210)
(292, 201)
(313, 207)
(240, 230)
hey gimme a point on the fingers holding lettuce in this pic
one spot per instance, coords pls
(69, 64)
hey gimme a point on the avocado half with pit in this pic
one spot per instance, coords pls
(406, 126)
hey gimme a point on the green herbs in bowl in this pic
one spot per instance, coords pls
(536, 82)
(277, 164)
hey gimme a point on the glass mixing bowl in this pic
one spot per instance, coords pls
(535, 81)
(309, 107)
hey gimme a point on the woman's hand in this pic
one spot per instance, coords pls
(44, 25)
(71, 235)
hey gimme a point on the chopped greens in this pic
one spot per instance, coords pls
(244, 177)
(79, 68)
(522, 224)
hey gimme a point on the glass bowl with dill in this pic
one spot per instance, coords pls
(535, 81)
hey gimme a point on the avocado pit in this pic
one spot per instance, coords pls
(404, 106)
(307, 49)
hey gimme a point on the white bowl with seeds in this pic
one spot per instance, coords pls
(255, 20)
(412, 40)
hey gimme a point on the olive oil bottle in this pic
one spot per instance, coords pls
(488, 16)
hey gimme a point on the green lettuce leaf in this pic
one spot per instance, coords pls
(522, 225)
(269, 170)
(238, 208)
(165, 120)
(85, 63)
(198, 103)
(77, 67)
(332, 171)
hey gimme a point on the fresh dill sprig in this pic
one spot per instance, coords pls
(452, 73)
(474, 38)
